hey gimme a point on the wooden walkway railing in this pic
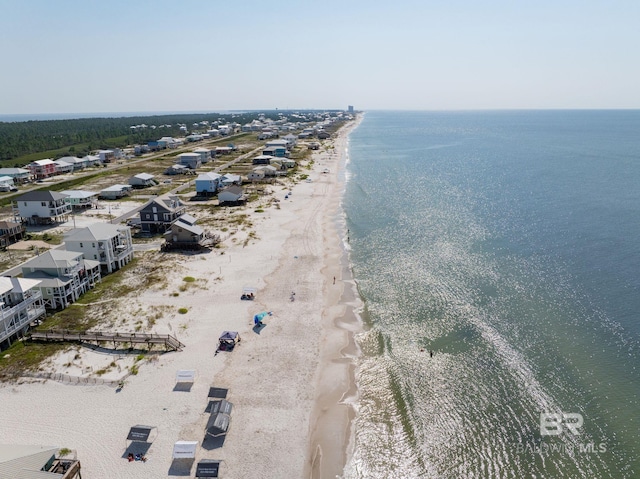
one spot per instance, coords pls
(149, 339)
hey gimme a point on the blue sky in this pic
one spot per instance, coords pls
(105, 56)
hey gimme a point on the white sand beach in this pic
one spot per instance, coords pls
(290, 382)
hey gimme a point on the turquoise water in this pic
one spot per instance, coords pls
(507, 244)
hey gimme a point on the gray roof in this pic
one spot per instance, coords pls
(79, 193)
(41, 195)
(195, 229)
(185, 218)
(55, 258)
(13, 171)
(143, 176)
(25, 462)
(95, 232)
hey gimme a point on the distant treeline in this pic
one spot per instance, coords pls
(79, 137)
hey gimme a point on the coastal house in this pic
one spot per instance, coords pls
(92, 160)
(205, 154)
(7, 184)
(184, 233)
(107, 156)
(223, 150)
(116, 191)
(167, 142)
(323, 135)
(142, 180)
(177, 169)
(20, 305)
(41, 169)
(157, 215)
(190, 160)
(262, 159)
(207, 183)
(19, 175)
(63, 167)
(230, 179)
(80, 199)
(291, 139)
(107, 243)
(41, 207)
(277, 151)
(10, 232)
(77, 163)
(64, 276)
(232, 195)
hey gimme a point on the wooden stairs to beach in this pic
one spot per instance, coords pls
(150, 339)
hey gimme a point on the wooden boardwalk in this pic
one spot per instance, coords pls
(169, 342)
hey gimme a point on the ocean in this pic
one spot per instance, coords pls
(498, 258)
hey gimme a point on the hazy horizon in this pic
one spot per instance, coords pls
(73, 57)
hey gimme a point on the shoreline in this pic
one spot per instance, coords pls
(331, 433)
(290, 382)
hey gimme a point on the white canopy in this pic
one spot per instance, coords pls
(185, 449)
(186, 376)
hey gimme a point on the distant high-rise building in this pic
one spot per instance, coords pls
(350, 109)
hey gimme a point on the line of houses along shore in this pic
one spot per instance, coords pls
(53, 280)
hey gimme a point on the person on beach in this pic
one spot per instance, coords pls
(334, 280)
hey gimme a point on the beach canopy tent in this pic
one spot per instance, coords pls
(218, 423)
(228, 340)
(142, 433)
(185, 449)
(230, 336)
(207, 468)
(257, 319)
(248, 292)
(186, 376)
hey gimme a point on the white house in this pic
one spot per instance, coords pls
(109, 244)
(142, 180)
(230, 179)
(77, 163)
(106, 156)
(79, 199)
(207, 183)
(190, 160)
(63, 167)
(176, 170)
(41, 207)
(7, 184)
(19, 175)
(205, 154)
(20, 304)
(115, 192)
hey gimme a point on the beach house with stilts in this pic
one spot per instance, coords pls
(41, 207)
(64, 276)
(107, 243)
(20, 305)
